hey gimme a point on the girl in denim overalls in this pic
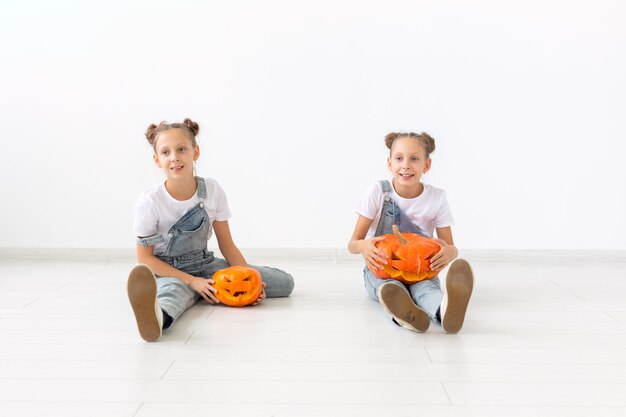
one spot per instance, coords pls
(173, 223)
(415, 208)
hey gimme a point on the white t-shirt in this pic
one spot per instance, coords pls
(427, 211)
(156, 211)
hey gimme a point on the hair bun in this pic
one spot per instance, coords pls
(151, 133)
(390, 138)
(428, 141)
(191, 125)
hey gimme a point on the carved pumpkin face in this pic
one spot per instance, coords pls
(237, 286)
(408, 257)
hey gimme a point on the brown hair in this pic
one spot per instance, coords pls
(188, 126)
(424, 138)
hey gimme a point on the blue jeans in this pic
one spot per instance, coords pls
(175, 296)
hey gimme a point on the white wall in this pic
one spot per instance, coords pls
(527, 101)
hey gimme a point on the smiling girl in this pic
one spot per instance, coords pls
(173, 222)
(419, 208)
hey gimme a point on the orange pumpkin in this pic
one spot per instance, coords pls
(408, 257)
(238, 286)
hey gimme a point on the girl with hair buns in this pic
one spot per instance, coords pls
(173, 222)
(415, 207)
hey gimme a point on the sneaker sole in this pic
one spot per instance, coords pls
(459, 284)
(142, 293)
(397, 302)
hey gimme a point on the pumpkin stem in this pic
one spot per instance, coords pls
(401, 238)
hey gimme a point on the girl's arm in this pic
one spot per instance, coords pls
(448, 251)
(145, 255)
(366, 247)
(229, 250)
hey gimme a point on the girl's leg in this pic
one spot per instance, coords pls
(157, 302)
(373, 283)
(459, 286)
(396, 301)
(278, 282)
(142, 294)
(174, 296)
(427, 295)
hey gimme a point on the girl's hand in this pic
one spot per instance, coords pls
(442, 258)
(205, 288)
(261, 297)
(374, 257)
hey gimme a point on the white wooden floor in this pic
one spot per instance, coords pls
(541, 339)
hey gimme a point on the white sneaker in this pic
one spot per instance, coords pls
(459, 286)
(397, 302)
(142, 293)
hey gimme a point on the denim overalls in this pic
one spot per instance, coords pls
(426, 294)
(187, 251)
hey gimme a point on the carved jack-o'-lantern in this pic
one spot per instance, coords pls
(408, 257)
(238, 286)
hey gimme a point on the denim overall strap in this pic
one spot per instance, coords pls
(389, 213)
(189, 234)
(201, 188)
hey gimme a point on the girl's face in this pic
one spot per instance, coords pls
(408, 161)
(175, 153)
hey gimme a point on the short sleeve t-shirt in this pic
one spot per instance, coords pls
(427, 211)
(156, 211)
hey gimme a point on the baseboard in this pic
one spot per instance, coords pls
(315, 255)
